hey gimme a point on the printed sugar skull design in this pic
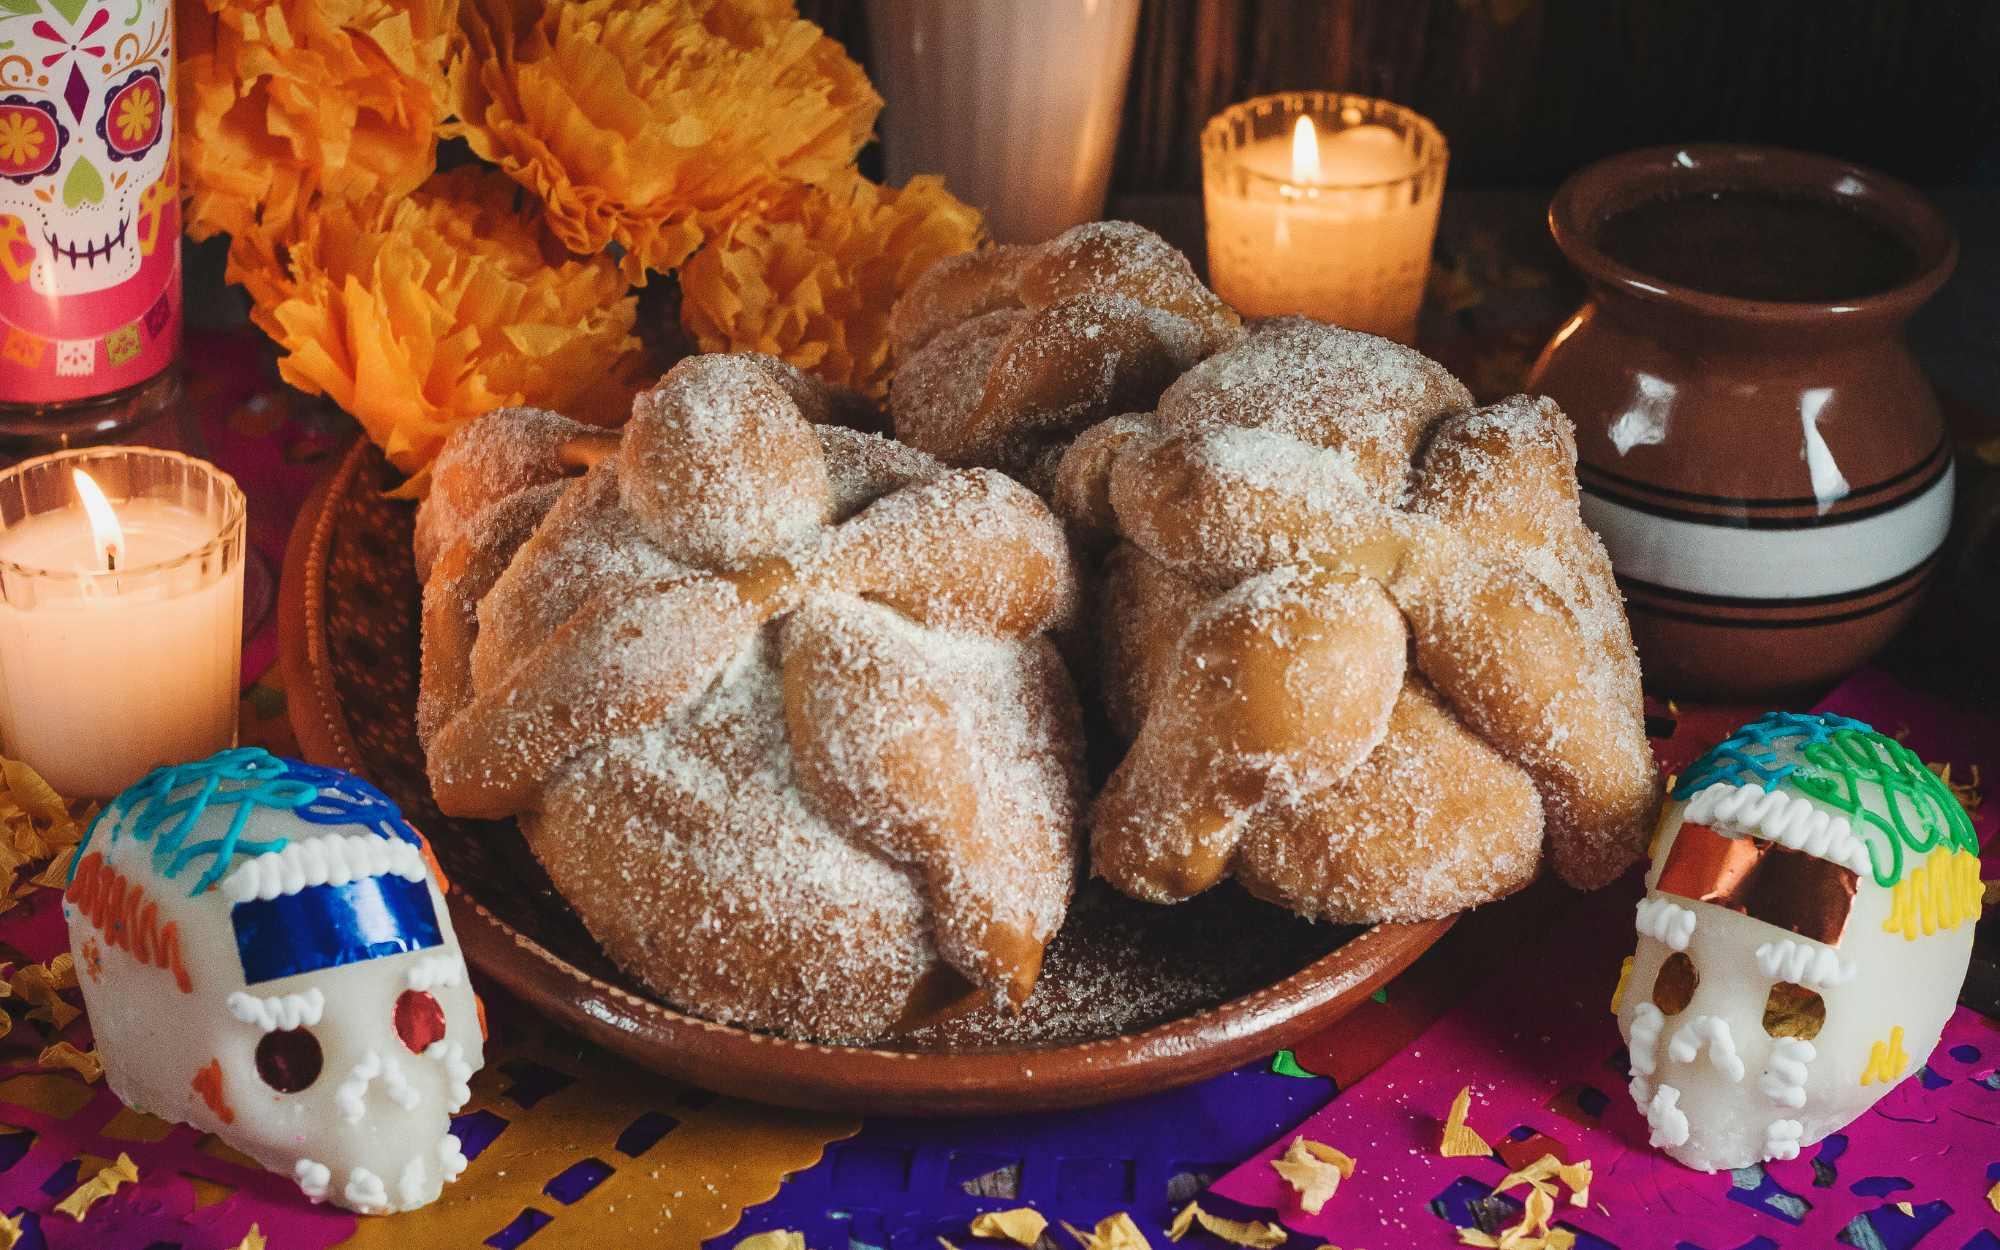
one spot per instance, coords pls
(1806, 927)
(264, 951)
(85, 135)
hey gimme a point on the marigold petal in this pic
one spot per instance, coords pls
(418, 315)
(636, 120)
(811, 279)
(282, 101)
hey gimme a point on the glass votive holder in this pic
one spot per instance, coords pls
(121, 633)
(1324, 204)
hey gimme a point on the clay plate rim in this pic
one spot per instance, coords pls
(778, 1070)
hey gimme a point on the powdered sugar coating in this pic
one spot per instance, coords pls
(772, 706)
(507, 450)
(1335, 389)
(1007, 355)
(1311, 448)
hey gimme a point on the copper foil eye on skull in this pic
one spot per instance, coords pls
(1775, 884)
(1793, 1011)
(1674, 987)
(289, 1059)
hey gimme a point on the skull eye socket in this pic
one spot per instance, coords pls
(1792, 1010)
(1674, 988)
(31, 139)
(134, 116)
(419, 1020)
(289, 1060)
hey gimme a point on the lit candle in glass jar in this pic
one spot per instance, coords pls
(1324, 205)
(121, 614)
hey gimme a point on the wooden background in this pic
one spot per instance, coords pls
(1526, 91)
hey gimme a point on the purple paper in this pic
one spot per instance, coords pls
(900, 1184)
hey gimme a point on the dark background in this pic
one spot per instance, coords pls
(1526, 91)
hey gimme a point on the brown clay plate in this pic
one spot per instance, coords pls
(1133, 998)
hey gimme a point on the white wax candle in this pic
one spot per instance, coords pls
(102, 678)
(1347, 241)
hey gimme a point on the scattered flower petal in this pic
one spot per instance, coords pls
(1250, 1234)
(1460, 1141)
(1315, 1170)
(1021, 1225)
(109, 1179)
(1113, 1232)
(84, 1063)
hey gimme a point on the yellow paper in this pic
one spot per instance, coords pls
(773, 1239)
(84, 1063)
(1315, 1170)
(252, 1240)
(1113, 1232)
(108, 1181)
(1534, 1225)
(37, 985)
(1460, 1141)
(1250, 1235)
(1617, 991)
(689, 1187)
(10, 1231)
(1993, 1196)
(1021, 1225)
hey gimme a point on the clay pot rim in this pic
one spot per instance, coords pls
(1590, 196)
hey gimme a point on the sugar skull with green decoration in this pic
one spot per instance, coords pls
(1806, 928)
(264, 951)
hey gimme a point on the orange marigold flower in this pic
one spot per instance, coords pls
(418, 314)
(285, 100)
(811, 277)
(639, 121)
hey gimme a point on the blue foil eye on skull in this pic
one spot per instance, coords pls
(326, 926)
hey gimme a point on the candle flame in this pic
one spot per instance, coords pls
(1305, 151)
(105, 534)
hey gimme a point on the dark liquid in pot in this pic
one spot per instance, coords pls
(1759, 245)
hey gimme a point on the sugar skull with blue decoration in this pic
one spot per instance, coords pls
(264, 951)
(1806, 928)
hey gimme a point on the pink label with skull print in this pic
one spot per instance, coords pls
(90, 290)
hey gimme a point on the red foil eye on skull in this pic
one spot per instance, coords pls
(134, 116)
(419, 1020)
(31, 139)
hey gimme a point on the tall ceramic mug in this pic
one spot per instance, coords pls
(1758, 448)
(90, 282)
(1016, 103)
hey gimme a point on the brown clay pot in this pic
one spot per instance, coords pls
(1771, 475)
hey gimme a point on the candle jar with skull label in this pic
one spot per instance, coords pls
(90, 280)
(1806, 928)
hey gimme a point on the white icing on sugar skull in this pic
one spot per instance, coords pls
(86, 131)
(1806, 928)
(265, 953)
